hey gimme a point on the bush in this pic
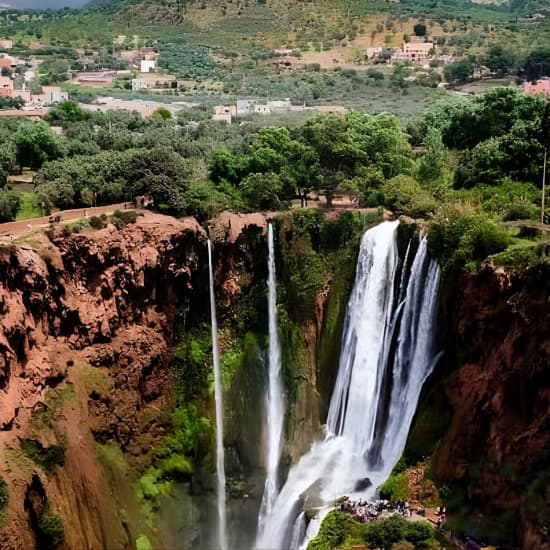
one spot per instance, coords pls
(460, 237)
(404, 195)
(331, 533)
(124, 217)
(46, 457)
(51, 530)
(143, 543)
(96, 222)
(4, 496)
(396, 487)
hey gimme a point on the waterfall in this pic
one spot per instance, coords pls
(274, 401)
(218, 394)
(388, 351)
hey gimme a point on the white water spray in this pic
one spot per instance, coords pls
(275, 402)
(387, 353)
(218, 395)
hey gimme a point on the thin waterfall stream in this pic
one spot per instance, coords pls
(218, 395)
(275, 401)
(388, 350)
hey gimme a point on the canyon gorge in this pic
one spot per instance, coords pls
(107, 412)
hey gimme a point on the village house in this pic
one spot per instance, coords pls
(147, 65)
(373, 53)
(224, 113)
(138, 84)
(7, 63)
(135, 57)
(415, 52)
(54, 94)
(539, 87)
(6, 44)
(6, 86)
(262, 109)
(25, 95)
(279, 105)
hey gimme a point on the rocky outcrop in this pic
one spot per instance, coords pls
(496, 445)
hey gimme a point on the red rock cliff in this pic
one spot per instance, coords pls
(85, 328)
(500, 400)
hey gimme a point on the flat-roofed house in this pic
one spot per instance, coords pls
(539, 87)
(6, 86)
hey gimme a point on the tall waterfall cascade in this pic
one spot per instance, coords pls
(275, 402)
(388, 351)
(218, 395)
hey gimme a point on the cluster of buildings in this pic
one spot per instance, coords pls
(9, 89)
(139, 66)
(416, 51)
(245, 107)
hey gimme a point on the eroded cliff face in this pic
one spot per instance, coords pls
(496, 446)
(85, 329)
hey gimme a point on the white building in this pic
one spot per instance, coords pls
(147, 65)
(245, 106)
(139, 84)
(262, 109)
(224, 113)
(54, 94)
(279, 105)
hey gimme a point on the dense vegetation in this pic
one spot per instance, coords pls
(468, 164)
(340, 530)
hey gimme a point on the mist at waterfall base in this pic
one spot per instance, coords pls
(388, 351)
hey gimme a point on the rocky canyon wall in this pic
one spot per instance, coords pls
(488, 408)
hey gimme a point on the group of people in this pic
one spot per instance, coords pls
(441, 513)
(365, 511)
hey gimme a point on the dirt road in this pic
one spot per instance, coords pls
(16, 229)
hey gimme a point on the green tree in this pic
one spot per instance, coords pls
(36, 143)
(275, 151)
(336, 152)
(433, 165)
(162, 113)
(224, 165)
(537, 63)
(67, 111)
(261, 191)
(9, 205)
(499, 60)
(459, 71)
(420, 29)
(404, 194)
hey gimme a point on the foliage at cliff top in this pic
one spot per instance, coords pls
(464, 154)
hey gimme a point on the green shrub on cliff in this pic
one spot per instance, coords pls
(404, 195)
(4, 499)
(51, 530)
(188, 442)
(46, 457)
(459, 236)
(331, 533)
(396, 487)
